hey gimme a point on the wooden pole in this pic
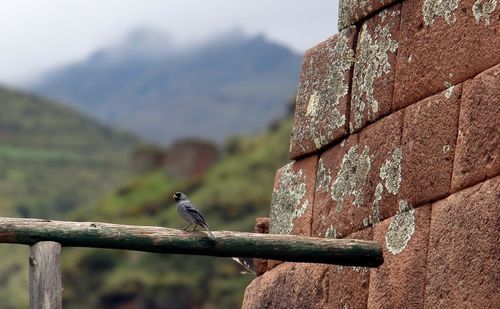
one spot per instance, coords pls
(290, 248)
(45, 275)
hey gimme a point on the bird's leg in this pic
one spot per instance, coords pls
(195, 226)
(185, 229)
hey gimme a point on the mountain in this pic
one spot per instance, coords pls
(54, 160)
(229, 85)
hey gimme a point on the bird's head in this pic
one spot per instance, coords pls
(179, 196)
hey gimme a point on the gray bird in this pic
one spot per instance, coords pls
(188, 212)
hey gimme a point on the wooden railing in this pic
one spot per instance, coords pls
(45, 238)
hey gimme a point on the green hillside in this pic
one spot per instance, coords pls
(61, 174)
(236, 191)
(53, 159)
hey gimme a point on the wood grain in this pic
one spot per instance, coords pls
(45, 275)
(290, 248)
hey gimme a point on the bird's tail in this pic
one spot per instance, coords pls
(208, 230)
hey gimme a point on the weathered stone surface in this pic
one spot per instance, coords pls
(429, 137)
(477, 156)
(293, 196)
(352, 11)
(444, 43)
(380, 194)
(323, 96)
(400, 281)
(273, 263)
(262, 227)
(300, 285)
(348, 286)
(375, 64)
(463, 258)
(341, 177)
(290, 285)
(358, 182)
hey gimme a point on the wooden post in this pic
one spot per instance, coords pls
(45, 275)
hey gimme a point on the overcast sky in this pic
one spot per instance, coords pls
(37, 35)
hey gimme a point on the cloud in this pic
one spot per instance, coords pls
(38, 35)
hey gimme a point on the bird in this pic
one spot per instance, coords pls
(188, 212)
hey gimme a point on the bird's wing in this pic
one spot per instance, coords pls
(196, 214)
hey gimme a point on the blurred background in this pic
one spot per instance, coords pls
(108, 107)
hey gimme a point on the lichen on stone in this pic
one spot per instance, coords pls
(346, 9)
(352, 176)
(375, 209)
(372, 62)
(446, 148)
(443, 8)
(360, 269)
(482, 9)
(322, 113)
(401, 228)
(287, 202)
(331, 232)
(312, 106)
(390, 171)
(449, 92)
(323, 177)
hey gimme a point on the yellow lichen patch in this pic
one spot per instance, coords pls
(312, 106)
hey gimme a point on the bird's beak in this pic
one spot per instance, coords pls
(173, 196)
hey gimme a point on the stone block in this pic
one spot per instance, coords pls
(358, 181)
(293, 196)
(321, 113)
(261, 227)
(400, 281)
(348, 286)
(444, 43)
(341, 176)
(477, 156)
(302, 285)
(429, 138)
(289, 285)
(352, 11)
(380, 194)
(463, 258)
(374, 67)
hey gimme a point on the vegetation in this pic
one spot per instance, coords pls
(231, 195)
(62, 174)
(53, 161)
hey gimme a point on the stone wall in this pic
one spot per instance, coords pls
(396, 139)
